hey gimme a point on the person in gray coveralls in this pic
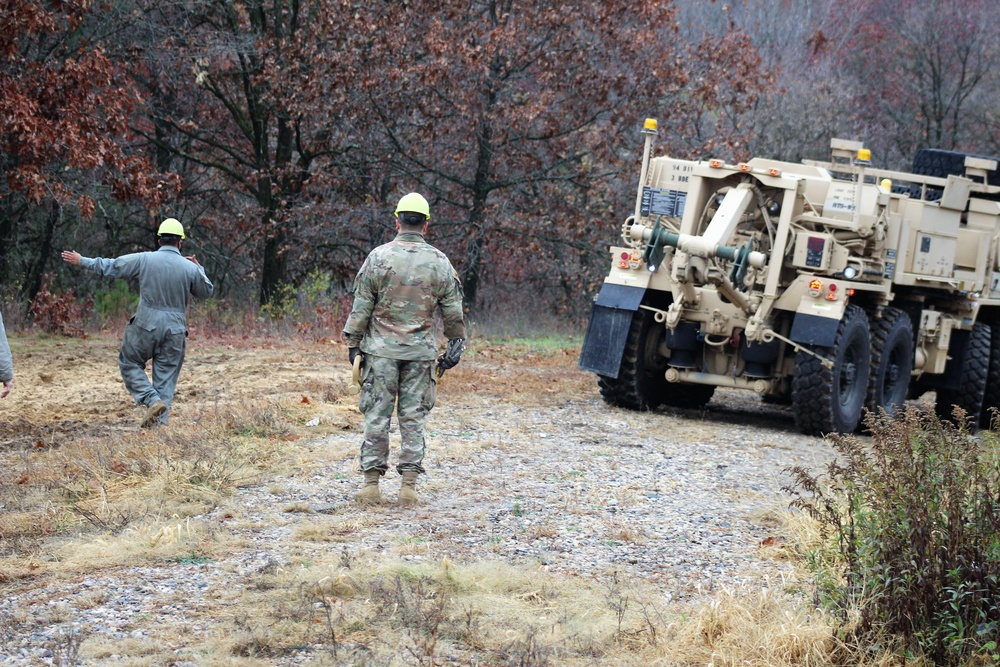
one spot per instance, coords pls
(158, 330)
(6, 363)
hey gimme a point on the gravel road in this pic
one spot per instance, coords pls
(564, 483)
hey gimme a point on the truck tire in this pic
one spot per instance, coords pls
(991, 397)
(941, 163)
(891, 361)
(975, 368)
(830, 400)
(641, 383)
(938, 162)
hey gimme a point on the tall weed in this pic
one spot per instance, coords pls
(913, 528)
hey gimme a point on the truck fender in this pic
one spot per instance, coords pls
(607, 330)
(816, 322)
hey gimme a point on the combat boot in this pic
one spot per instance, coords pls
(408, 490)
(369, 492)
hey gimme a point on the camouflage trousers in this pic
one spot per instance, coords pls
(410, 388)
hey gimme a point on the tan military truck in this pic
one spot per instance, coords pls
(831, 286)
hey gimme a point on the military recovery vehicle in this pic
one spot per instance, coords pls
(832, 286)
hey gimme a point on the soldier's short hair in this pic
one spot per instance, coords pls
(411, 218)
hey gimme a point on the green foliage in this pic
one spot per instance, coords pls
(116, 301)
(315, 306)
(913, 535)
(193, 558)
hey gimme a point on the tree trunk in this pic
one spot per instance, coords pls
(272, 269)
(477, 216)
(274, 266)
(7, 217)
(473, 267)
(36, 273)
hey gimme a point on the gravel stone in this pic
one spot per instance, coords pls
(569, 486)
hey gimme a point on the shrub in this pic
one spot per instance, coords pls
(115, 302)
(913, 526)
(58, 312)
(315, 307)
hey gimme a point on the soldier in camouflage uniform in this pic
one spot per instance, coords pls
(396, 293)
(158, 330)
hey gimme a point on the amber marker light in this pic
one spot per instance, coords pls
(715, 164)
(744, 167)
(815, 287)
(774, 172)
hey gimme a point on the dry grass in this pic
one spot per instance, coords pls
(376, 612)
(125, 494)
(99, 497)
(757, 627)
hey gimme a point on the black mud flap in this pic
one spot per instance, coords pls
(607, 331)
(814, 330)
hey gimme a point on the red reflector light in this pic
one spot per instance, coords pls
(624, 255)
(715, 163)
(833, 287)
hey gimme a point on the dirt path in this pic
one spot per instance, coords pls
(528, 469)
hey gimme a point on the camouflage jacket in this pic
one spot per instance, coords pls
(396, 293)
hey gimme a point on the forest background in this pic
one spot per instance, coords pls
(282, 132)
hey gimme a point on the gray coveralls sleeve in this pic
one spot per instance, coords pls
(6, 363)
(158, 330)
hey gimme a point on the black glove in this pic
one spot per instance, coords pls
(451, 355)
(352, 353)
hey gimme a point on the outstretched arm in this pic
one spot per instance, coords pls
(126, 266)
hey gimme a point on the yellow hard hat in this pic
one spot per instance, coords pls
(413, 203)
(171, 226)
